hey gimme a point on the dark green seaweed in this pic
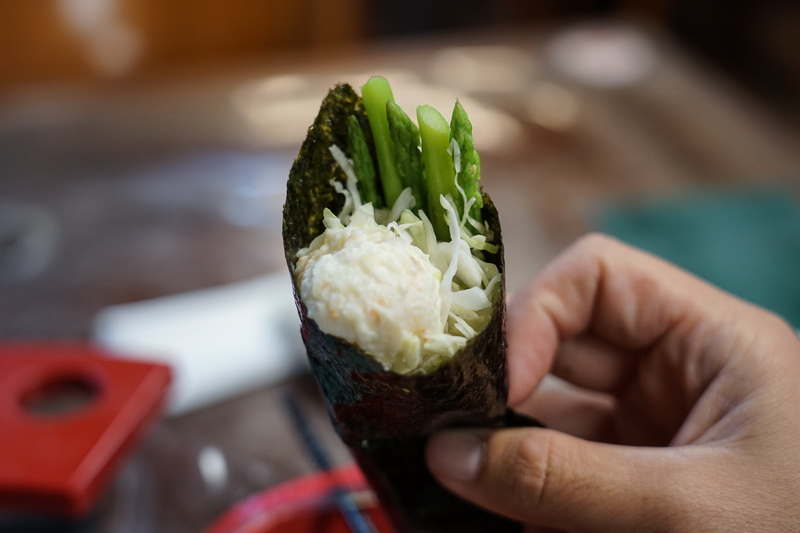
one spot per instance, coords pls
(308, 190)
(385, 417)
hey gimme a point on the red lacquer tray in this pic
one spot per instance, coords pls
(59, 460)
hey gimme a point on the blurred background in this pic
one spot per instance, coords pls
(99, 40)
(144, 148)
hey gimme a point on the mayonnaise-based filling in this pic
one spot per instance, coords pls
(365, 284)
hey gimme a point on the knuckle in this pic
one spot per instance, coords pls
(596, 247)
(532, 477)
(595, 241)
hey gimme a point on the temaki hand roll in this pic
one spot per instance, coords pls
(397, 263)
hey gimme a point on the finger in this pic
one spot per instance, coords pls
(628, 298)
(589, 362)
(544, 477)
(572, 410)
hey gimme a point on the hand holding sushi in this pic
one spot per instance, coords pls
(681, 412)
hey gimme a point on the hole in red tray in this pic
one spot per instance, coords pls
(60, 396)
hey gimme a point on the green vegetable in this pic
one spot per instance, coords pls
(438, 162)
(362, 163)
(470, 171)
(429, 172)
(376, 93)
(408, 157)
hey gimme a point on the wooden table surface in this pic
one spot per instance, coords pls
(133, 191)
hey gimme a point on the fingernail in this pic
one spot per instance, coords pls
(456, 455)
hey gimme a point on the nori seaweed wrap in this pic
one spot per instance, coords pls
(385, 416)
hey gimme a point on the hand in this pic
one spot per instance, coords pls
(679, 408)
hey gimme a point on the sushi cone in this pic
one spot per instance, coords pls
(383, 416)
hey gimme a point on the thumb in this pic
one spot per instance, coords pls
(547, 478)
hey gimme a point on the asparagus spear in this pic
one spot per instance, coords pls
(408, 157)
(362, 163)
(470, 168)
(376, 93)
(438, 163)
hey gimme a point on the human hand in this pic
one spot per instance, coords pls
(680, 413)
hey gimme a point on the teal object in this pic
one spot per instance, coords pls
(746, 242)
